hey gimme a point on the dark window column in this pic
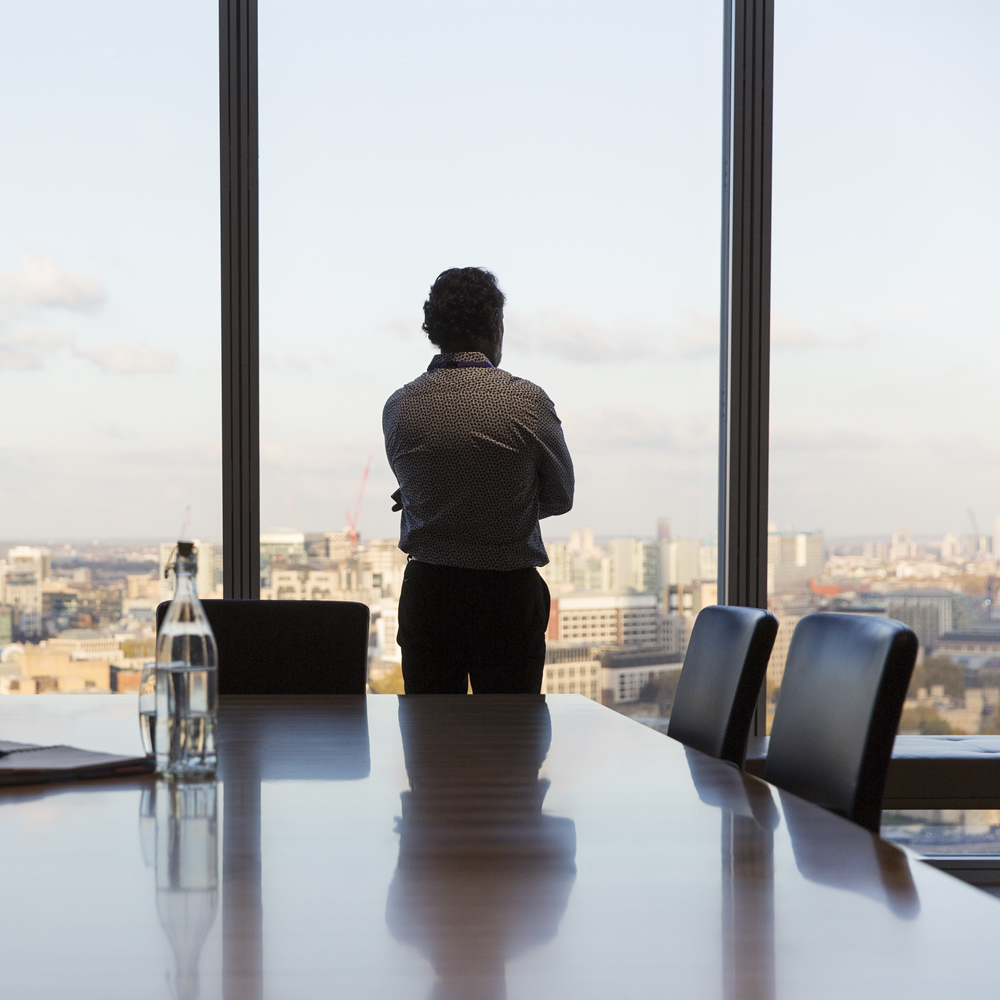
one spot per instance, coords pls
(240, 352)
(746, 304)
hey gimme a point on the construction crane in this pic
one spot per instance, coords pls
(975, 525)
(352, 522)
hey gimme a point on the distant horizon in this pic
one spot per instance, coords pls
(156, 540)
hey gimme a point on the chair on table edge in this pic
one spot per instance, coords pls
(721, 678)
(841, 697)
(288, 647)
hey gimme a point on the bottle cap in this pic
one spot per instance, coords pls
(184, 549)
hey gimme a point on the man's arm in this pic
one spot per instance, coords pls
(554, 465)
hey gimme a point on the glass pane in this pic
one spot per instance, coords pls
(574, 151)
(109, 319)
(884, 483)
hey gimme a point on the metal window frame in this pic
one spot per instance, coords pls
(745, 327)
(240, 297)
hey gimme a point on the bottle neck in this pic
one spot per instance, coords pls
(186, 571)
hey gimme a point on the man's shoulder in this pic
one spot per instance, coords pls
(530, 392)
(472, 380)
(394, 400)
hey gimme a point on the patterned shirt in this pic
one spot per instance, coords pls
(479, 456)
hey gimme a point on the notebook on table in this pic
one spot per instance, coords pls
(27, 764)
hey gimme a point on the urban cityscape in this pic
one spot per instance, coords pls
(81, 617)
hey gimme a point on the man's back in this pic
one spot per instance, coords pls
(479, 455)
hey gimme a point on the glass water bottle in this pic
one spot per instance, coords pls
(186, 679)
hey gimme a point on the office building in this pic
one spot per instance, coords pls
(633, 565)
(972, 648)
(209, 578)
(680, 562)
(624, 674)
(930, 613)
(903, 546)
(605, 619)
(794, 559)
(572, 668)
(340, 545)
(386, 562)
(27, 570)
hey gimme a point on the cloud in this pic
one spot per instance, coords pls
(789, 333)
(23, 349)
(571, 337)
(786, 332)
(640, 428)
(129, 359)
(783, 440)
(39, 284)
(400, 329)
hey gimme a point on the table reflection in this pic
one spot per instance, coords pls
(854, 859)
(298, 738)
(482, 874)
(178, 825)
(749, 818)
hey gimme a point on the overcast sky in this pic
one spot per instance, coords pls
(572, 148)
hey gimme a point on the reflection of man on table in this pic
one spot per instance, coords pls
(479, 456)
(483, 874)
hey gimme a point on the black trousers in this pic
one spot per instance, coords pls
(461, 624)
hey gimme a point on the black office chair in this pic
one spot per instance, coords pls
(288, 647)
(723, 670)
(841, 697)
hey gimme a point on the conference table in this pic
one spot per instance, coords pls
(458, 847)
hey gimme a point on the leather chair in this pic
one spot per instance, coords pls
(288, 647)
(841, 697)
(723, 670)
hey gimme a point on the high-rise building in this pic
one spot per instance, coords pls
(680, 562)
(386, 562)
(209, 578)
(27, 569)
(793, 560)
(558, 572)
(651, 576)
(708, 562)
(929, 612)
(951, 547)
(339, 545)
(903, 546)
(625, 564)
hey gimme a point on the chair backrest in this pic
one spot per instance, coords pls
(841, 697)
(723, 670)
(288, 647)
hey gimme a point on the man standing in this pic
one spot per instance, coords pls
(479, 456)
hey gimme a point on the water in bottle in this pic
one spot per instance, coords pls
(186, 679)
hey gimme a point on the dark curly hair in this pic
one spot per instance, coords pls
(464, 308)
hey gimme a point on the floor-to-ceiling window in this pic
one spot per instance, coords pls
(109, 320)
(574, 151)
(885, 485)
